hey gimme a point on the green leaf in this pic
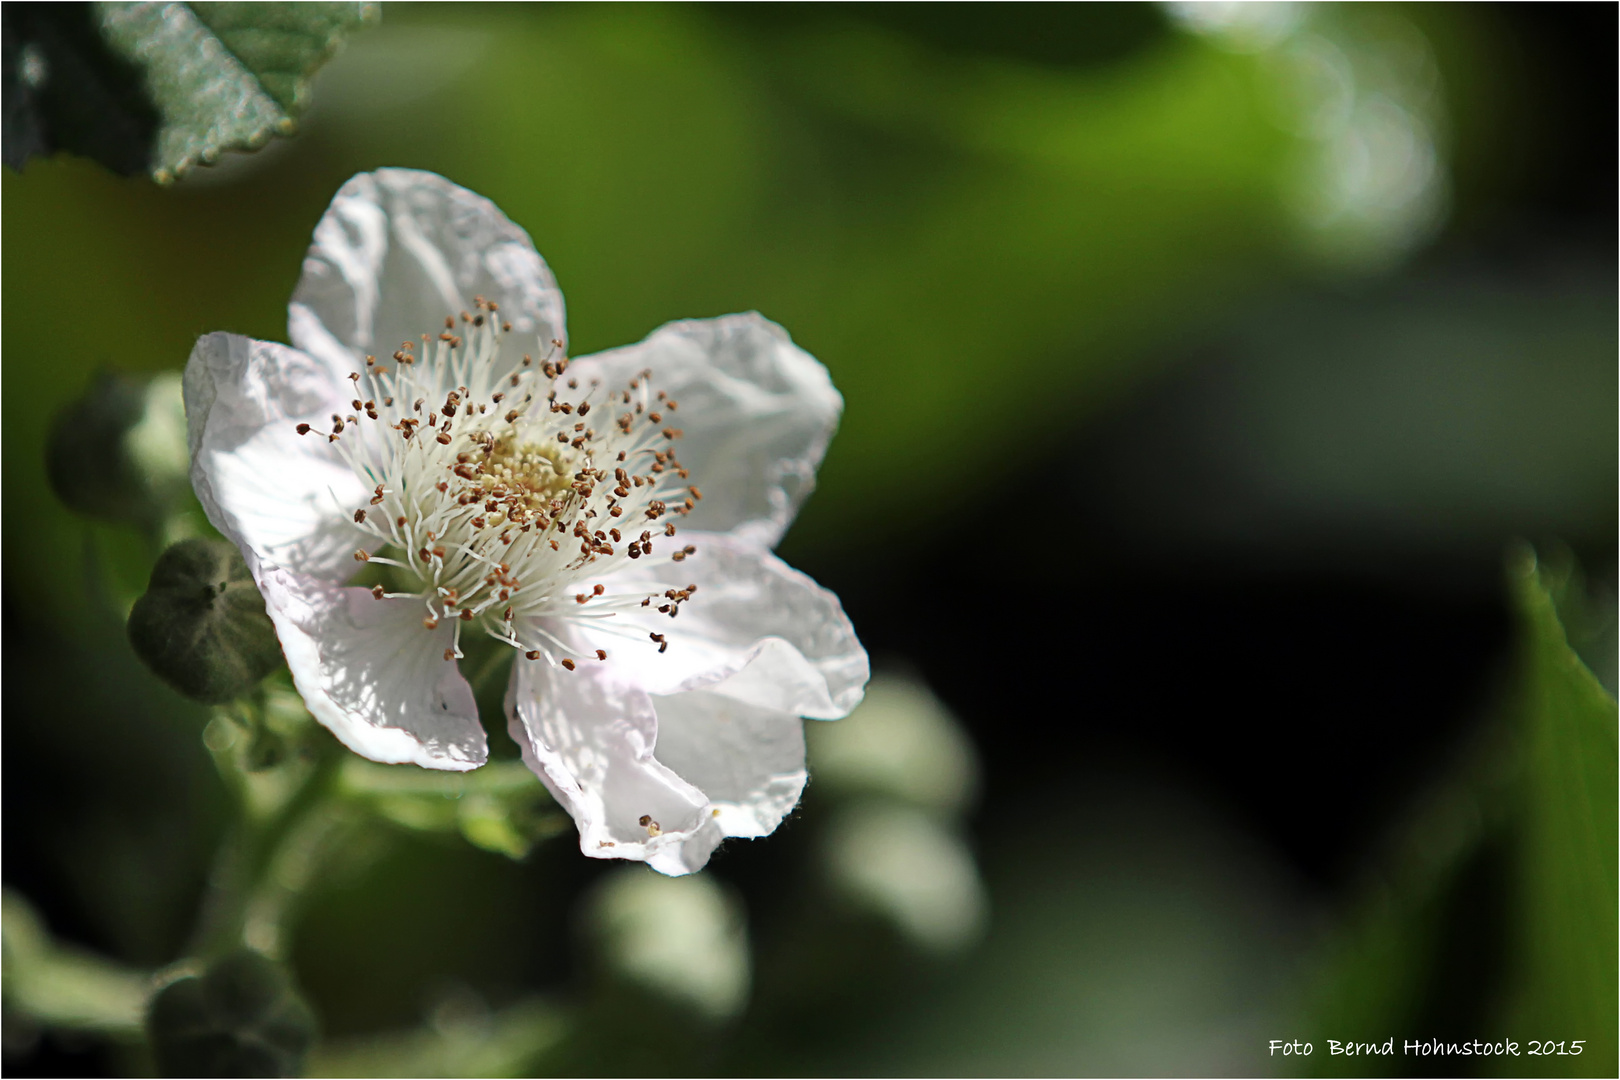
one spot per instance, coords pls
(1570, 896)
(1494, 917)
(225, 76)
(501, 807)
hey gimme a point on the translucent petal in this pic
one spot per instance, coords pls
(373, 674)
(589, 735)
(398, 251)
(749, 761)
(756, 412)
(757, 631)
(286, 498)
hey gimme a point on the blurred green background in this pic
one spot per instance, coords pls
(1279, 323)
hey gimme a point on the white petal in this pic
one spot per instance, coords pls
(749, 761)
(756, 631)
(370, 671)
(397, 251)
(756, 410)
(286, 497)
(589, 735)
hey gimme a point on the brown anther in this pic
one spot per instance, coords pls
(466, 615)
(670, 433)
(302, 429)
(598, 589)
(567, 663)
(511, 416)
(532, 654)
(359, 517)
(584, 407)
(400, 521)
(601, 654)
(449, 654)
(430, 623)
(362, 556)
(378, 591)
(442, 438)
(656, 418)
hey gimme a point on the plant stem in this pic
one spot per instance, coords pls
(250, 851)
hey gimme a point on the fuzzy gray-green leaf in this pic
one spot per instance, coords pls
(225, 76)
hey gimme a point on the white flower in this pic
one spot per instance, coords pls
(428, 423)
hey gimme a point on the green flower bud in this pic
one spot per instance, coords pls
(201, 625)
(241, 1017)
(118, 453)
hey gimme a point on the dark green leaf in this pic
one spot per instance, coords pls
(162, 87)
(225, 76)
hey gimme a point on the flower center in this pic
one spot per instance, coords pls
(494, 498)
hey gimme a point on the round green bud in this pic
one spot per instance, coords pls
(201, 625)
(241, 1017)
(118, 452)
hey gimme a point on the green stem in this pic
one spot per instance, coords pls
(251, 850)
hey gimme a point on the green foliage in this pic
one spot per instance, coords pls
(201, 626)
(1495, 918)
(1569, 869)
(163, 87)
(241, 1017)
(500, 807)
(225, 76)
